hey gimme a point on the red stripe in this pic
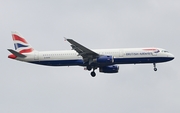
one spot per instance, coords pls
(150, 49)
(26, 50)
(16, 37)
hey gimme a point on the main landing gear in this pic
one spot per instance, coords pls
(154, 64)
(93, 74)
(89, 68)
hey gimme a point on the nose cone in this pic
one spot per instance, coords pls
(171, 56)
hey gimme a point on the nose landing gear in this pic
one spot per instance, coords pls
(154, 64)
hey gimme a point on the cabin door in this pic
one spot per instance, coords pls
(36, 55)
(121, 53)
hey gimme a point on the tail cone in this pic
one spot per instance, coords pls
(12, 56)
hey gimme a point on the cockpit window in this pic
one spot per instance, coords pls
(164, 51)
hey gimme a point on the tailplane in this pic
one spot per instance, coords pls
(16, 53)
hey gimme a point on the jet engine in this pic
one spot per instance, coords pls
(104, 60)
(109, 69)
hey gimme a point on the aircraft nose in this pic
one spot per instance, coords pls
(171, 56)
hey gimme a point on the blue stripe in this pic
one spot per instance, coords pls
(15, 46)
(59, 62)
(19, 45)
(142, 60)
(116, 61)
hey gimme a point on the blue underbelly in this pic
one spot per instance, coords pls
(116, 61)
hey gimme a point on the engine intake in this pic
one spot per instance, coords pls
(109, 69)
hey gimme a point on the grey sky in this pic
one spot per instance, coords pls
(27, 88)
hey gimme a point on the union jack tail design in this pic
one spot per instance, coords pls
(20, 44)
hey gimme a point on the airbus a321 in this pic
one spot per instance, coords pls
(105, 60)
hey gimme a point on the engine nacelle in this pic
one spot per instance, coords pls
(104, 60)
(109, 69)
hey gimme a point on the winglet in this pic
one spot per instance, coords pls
(15, 54)
(65, 39)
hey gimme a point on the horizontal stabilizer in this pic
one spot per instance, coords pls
(16, 53)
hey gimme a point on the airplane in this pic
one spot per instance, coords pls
(106, 60)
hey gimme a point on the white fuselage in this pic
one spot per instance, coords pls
(121, 56)
(104, 59)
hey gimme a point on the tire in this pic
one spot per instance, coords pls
(155, 69)
(93, 74)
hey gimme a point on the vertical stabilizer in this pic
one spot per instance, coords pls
(20, 44)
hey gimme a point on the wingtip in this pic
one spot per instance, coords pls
(65, 39)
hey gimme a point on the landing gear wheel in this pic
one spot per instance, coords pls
(93, 74)
(89, 68)
(155, 69)
(154, 64)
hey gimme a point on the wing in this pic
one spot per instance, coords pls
(87, 54)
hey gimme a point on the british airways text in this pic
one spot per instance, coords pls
(142, 53)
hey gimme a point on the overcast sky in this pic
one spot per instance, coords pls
(29, 88)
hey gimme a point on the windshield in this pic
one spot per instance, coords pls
(164, 51)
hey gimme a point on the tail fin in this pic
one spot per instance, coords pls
(20, 44)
